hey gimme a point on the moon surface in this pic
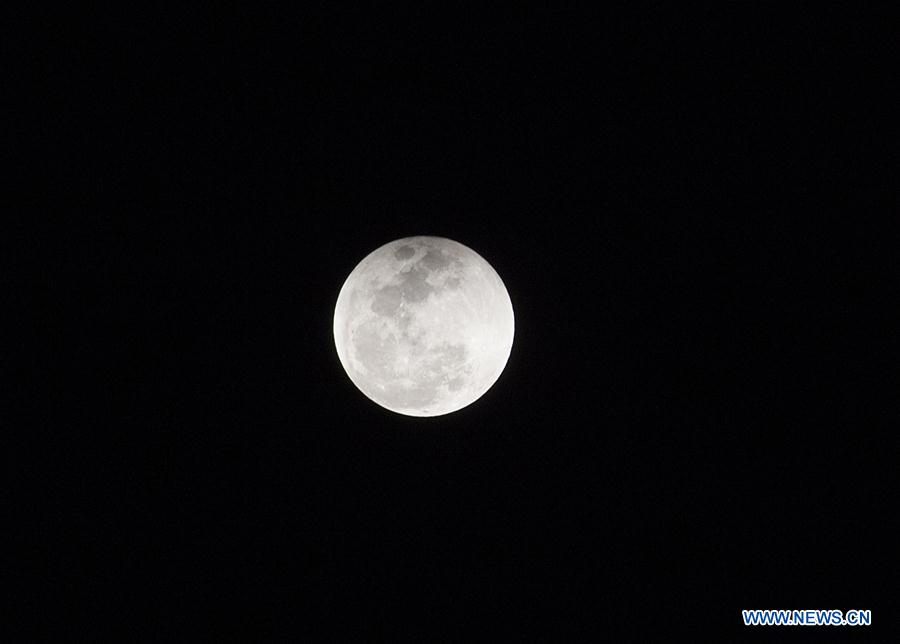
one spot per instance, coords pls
(423, 326)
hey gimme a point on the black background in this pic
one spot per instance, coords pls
(682, 204)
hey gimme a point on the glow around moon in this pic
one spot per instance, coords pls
(423, 326)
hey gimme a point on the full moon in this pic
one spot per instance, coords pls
(423, 326)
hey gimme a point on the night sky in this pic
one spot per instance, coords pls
(681, 203)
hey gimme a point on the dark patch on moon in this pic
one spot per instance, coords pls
(404, 252)
(387, 300)
(414, 288)
(434, 260)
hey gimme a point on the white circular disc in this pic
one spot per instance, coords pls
(423, 326)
